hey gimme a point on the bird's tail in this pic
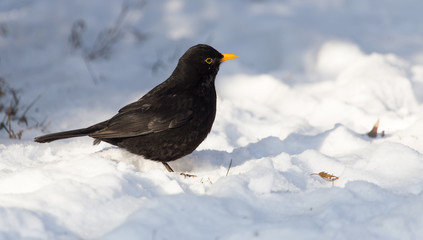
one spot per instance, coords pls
(67, 134)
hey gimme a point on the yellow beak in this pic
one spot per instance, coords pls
(228, 56)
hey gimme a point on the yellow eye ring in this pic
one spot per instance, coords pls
(209, 60)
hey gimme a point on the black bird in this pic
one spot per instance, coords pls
(172, 119)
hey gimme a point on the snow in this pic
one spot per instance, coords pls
(311, 79)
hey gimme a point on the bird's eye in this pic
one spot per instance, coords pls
(209, 60)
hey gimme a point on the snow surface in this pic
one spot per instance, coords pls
(311, 79)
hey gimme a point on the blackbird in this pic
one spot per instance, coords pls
(172, 119)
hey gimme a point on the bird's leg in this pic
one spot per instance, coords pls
(168, 168)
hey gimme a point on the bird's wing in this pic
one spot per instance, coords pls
(140, 118)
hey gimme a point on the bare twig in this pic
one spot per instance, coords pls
(75, 38)
(90, 70)
(12, 111)
(230, 164)
(29, 107)
(106, 39)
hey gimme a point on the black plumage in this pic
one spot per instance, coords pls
(172, 119)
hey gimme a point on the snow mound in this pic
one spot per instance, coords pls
(379, 82)
(335, 56)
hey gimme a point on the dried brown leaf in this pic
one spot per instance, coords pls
(326, 176)
(373, 132)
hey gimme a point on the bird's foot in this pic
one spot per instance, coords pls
(169, 169)
(187, 175)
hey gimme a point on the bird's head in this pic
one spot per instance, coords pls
(204, 59)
